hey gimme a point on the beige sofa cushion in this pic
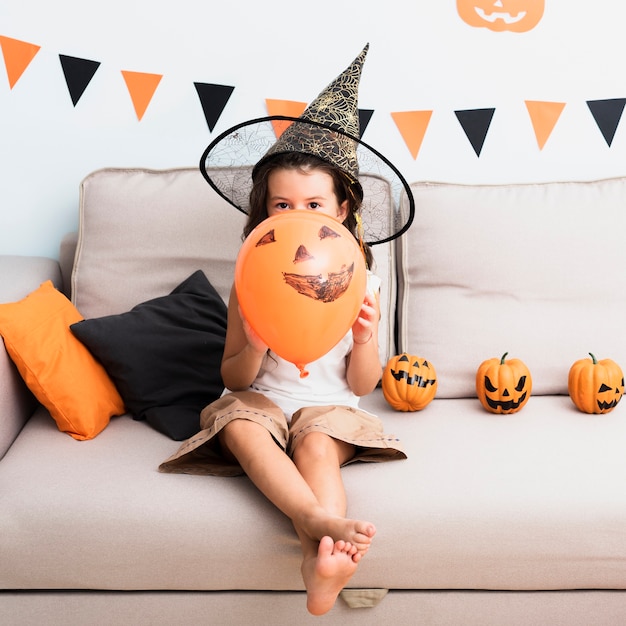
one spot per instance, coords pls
(142, 232)
(533, 501)
(535, 270)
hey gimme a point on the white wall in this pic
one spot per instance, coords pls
(422, 57)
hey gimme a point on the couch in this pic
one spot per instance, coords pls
(492, 519)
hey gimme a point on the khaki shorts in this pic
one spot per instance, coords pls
(201, 453)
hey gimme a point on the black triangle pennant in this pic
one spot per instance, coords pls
(78, 74)
(213, 99)
(365, 115)
(607, 114)
(475, 124)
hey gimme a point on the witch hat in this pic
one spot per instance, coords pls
(329, 129)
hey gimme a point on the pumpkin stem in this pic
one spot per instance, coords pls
(593, 358)
(503, 357)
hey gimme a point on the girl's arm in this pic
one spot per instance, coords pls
(364, 369)
(243, 349)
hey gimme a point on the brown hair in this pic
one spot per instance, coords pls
(344, 187)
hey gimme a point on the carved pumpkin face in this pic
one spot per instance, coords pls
(518, 16)
(595, 386)
(503, 386)
(300, 280)
(409, 382)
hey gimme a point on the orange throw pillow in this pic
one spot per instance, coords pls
(59, 370)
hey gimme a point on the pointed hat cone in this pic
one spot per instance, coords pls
(334, 109)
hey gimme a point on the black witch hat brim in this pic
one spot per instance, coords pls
(229, 160)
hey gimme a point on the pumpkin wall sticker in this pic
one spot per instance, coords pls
(518, 16)
(409, 382)
(595, 386)
(503, 386)
(300, 279)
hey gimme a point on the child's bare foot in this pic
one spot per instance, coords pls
(359, 534)
(327, 573)
(355, 532)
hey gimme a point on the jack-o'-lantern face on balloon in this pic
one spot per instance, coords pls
(300, 279)
(518, 16)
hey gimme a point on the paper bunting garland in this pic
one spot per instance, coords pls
(475, 124)
(17, 57)
(213, 99)
(544, 116)
(289, 108)
(607, 114)
(365, 115)
(141, 87)
(78, 74)
(412, 125)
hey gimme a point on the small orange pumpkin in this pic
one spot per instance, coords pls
(595, 386)
(503, 386)
(409, 382)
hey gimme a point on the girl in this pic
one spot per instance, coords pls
(291, 435)
(297, 465)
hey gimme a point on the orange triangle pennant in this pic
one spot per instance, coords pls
(544, 116)
(283, 107)
(412, 126)
(17, 57)
(141, 88)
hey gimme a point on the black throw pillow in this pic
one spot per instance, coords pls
(164, 355)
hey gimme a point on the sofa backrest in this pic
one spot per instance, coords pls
(142, 232)
(535, 270)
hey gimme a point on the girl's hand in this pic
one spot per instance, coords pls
(367, 321)
(243, 349)
(255, 342)
(364, 368)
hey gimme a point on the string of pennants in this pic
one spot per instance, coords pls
(412, 125)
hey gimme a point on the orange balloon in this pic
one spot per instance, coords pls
(300, 279)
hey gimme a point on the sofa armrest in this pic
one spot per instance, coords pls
(67, 252)
(16, 402)
(23, 274)
(20, 276)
